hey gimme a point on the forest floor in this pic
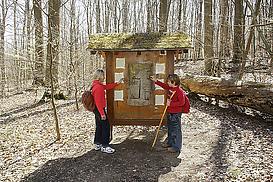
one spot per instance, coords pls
(219, 144)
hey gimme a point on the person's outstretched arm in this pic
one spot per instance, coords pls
(159, 83)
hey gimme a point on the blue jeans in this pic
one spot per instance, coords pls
(102, 133)
(174, 130)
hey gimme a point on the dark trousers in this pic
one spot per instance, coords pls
(102, 134)
(174, 130)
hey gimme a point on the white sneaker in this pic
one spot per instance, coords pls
(107, 150)
(98, 147)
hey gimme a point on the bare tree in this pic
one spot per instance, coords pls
(163, 15)
(208, 37)
(39, 51)
(52, 53)
(179, 16)
(53, 41)
(125, 12)
(149, 16)
(3, 14)
(16, 61)
(223, 34)
(224, 41)
(107, 17)
(98, 18)
(238, 38)
(198, 41)
(251, 34)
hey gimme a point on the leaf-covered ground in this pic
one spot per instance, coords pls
(219, 144)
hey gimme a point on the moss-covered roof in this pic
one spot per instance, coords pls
(138, 41)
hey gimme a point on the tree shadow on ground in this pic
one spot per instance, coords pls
(232, 122)
(9, 118)
(133, 161)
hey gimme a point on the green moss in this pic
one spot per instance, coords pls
(139, 41)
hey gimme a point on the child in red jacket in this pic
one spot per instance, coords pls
(102, 133)
(174, 111)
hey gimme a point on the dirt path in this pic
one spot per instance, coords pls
(218, 145)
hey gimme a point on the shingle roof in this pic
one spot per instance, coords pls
(138, 41)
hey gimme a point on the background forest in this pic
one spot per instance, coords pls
(233, 38)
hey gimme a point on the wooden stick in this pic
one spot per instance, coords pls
(161, 121)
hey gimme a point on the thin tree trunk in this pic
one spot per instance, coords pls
(149, 8)
(71, 44)
(39, 51)
(135, 17)
(2, 47)
(271, 35)
(16, 60)
(98, 26)
(224, 44)
(208, 37)
(163, 11)
(107, 17)
(184, 18)
(115, 16)
(125, 16)
(251, 34)
(198, 38)
(28, 13)
(53, 41)
(224, 52)
(237, 38)
(179, 19)
(57, 128)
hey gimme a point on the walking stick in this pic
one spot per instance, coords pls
(161, 121)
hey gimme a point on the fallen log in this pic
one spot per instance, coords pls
(258, 96)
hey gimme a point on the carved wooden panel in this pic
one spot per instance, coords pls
(140, 86)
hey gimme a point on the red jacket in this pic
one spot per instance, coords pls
(98, 92)
(177, 101)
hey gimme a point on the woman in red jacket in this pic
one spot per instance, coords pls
(102, 133)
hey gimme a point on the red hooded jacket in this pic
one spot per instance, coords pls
(98, 92)
(177, 101)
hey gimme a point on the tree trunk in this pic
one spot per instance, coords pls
(251, 34)
(98, 26)
(184, 18)
(271, 35)
(224, 41)
(149, 22)
(198, 40)
(28, 38)
(125, 6)
(163, 15)
(179, 16)
(2, 47)
(16, 60)
(208, 37)
(253, 95)
(115, 16)
(224, 45)
(107, 17)
(50, 51)
(39, 51)
(53, 41)
(71, 45)
(237, 38)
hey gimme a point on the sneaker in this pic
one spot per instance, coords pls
(165, 145)
(107, 150)
(98, 147)
(172, 150)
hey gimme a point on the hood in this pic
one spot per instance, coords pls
(95, 83)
